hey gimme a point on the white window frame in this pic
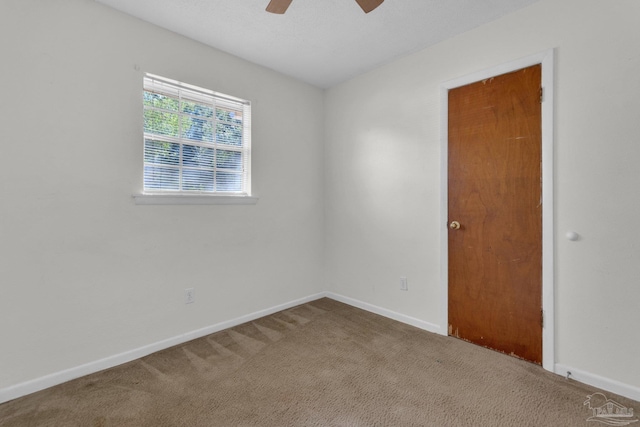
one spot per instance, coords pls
(179, 91)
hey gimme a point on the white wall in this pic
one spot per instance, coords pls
(382, 176)
(85, 273)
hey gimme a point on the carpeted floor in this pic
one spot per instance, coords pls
(319, 364)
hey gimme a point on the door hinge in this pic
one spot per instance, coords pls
(542, 318)
(541, 95)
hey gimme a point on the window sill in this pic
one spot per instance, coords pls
(193, 199)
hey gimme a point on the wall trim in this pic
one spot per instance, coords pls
(603, 383)
(37, 384)
(545, 58)
(584, 377)
(421, 324)
(32, 386)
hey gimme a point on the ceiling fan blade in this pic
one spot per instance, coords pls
(278, 6)
(369, 5)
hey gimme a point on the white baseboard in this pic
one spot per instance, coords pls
(386, 313)
(603, 383)
(32, 386)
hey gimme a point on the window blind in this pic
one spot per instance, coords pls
(195, 140)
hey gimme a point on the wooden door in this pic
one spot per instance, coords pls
(495, 194)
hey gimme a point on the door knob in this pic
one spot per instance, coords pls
(455, 225)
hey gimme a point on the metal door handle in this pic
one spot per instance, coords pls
(455, 225)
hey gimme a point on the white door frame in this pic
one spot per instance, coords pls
(548, 296)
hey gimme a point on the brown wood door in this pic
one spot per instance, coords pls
(495, 193)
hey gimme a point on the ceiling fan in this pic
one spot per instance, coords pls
(280, 6)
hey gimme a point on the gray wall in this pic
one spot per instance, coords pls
(348, 180)
(382, 169)
(85, 272)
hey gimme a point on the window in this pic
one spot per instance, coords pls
(196, 141)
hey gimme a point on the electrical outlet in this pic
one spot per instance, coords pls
(189, 296)
(403, 284)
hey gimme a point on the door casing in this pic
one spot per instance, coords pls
(547, 60)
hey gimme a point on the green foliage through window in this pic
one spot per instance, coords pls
(194, 140)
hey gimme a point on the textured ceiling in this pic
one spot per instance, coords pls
(322, 42)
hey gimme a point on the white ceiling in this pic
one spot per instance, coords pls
(321, 42)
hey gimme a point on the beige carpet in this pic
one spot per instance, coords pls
(319, 364)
